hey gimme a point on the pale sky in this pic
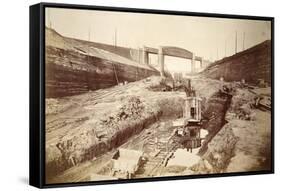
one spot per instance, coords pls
(206, 37)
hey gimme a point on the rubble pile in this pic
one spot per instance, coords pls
(165, 84)
(242, 105)
(131, 109)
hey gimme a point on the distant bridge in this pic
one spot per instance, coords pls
(171, 51)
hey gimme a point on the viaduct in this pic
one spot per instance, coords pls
(170, 51)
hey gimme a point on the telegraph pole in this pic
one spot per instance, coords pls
(235, 42)
(89, 34)
(89, 39)
(115, 37)
(88, 59)
(225, 48)
(243, 41)
(217, 53)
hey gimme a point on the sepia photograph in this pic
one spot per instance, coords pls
(135, 95)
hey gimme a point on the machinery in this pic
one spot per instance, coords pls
(188, 128)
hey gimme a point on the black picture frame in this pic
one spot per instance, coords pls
(37, 93)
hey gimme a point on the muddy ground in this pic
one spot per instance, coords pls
(84, 131)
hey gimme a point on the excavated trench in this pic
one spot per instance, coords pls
(136, 115)
(214, 116)
(131, 119)
(219, 144)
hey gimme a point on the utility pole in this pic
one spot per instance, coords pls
(89, 34)
(225, 48)
(115, 37)
(243, 41)
(235, 42)
(217, 53)
(89, 39)
(88, 59)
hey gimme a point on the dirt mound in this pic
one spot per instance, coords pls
(130, 110)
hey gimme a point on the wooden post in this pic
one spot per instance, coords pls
(161, 61)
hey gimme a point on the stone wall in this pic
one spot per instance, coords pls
(251, 64)
(70, 73)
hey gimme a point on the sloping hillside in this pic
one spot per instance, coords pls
(251, 65)
(75, 66)
(103, 51)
